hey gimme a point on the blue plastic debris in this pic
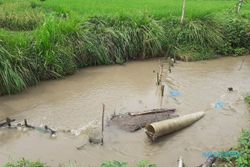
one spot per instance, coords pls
(219, 105)
(175, 93)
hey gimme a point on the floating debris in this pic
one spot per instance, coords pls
(134, 121)
(230, 89)
(174, 93)
(209, 162)
(19, 126)
(219, 105)
(7, 122)
(96, 137)
(180, 162)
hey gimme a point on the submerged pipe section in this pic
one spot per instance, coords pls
(165, 127)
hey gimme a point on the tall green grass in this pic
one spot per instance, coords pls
(60, 41)
(61, 45)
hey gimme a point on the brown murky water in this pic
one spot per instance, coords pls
(75, 103)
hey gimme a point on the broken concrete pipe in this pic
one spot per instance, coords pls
(158, 129)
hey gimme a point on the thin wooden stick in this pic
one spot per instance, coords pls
(103, 112)
(162, 90)
(27, 125)
(161, 71)
(157, 79)
(7, 122)
(169, 65)
(153, 111)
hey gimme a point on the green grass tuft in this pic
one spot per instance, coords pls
(25, 163)
(247, 99)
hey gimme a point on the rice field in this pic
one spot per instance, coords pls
(156, 8)
(41, 40)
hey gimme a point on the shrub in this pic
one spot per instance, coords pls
(244, 149)
(247, 99)
(237, 35)
(240, 51)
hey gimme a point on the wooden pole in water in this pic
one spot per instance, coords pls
(169, 65)
(162, 90)
(161, 71)
(8, 120)
(157, 79)
(103, 111)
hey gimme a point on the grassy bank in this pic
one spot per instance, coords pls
(49, 40)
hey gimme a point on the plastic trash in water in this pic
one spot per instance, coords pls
(219, 105)
(174, 93)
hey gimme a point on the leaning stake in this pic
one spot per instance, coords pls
(161, 128)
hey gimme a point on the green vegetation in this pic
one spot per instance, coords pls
(244, 149)
(25, 163)
(41, 40)
(247, 99)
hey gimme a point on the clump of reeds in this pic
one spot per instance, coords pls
(116, 40)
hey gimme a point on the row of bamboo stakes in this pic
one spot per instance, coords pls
(160, 77)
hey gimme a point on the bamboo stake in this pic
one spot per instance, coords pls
(162, 90)
(169, 65)
(103, 111)
(8, 121)
(157, 79)
(161, 71)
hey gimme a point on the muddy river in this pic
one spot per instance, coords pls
(75, 104)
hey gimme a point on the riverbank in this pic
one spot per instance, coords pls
(48, 43)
